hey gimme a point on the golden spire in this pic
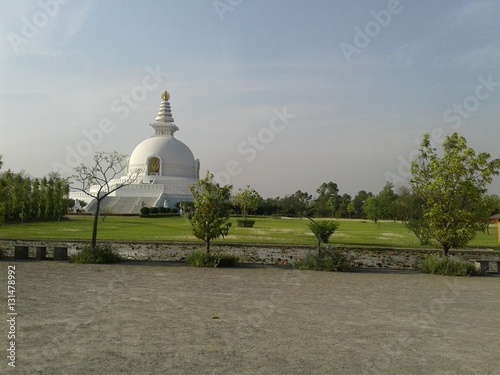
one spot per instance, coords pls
(165, 96)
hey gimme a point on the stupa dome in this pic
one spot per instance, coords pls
(163, 155)
(174, 157)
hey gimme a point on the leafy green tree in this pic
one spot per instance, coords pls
(16, 192)
(381, 206)
(372, 209)
(21, 196)
(452, 189)
(409, 210)
(387, 202)
(328, 200)
(269, 206)
(8, 195)
(44, 197)
(34, 198)
(492, 203)
(344, 202)
(246, 200)
(59, 195)
(50, 197)
(322, 230)
(351, 209)
(24, 198)
(298, 204)
(359, 201)
(402, 204)
(108, 166)
(210, 215)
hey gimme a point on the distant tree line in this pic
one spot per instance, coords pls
(26, 198)
(400, 204)
(329, 202)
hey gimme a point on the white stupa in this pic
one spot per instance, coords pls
(167, 170)
(163, 158)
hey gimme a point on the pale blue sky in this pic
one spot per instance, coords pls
(361, 101)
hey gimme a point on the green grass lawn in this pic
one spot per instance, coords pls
(265, 231)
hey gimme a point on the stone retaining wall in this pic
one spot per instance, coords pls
(267, 254)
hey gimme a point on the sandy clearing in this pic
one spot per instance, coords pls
(160, 318)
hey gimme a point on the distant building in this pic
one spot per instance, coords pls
(494, 219)
(168, 169)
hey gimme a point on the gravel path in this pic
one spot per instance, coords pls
(160, 318)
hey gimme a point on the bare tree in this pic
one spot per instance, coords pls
(107, 167)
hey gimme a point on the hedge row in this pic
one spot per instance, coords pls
(158, 210)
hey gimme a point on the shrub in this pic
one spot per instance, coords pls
(162, 210)
(245, 223)
(168, 210)
(202, 259)
(322, 230)
(100, 255)
(444, 266)
(327, 260)
(175, 211)
(145, 211)
(154, 210)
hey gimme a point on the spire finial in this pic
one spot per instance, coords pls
(164, 122)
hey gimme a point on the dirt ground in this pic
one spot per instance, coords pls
(160, 318)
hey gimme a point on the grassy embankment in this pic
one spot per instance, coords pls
(266, 231)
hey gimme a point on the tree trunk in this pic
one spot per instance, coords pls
(96, 220)
(445, 251)
(208, 246)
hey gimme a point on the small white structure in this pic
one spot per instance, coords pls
(168, 169)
